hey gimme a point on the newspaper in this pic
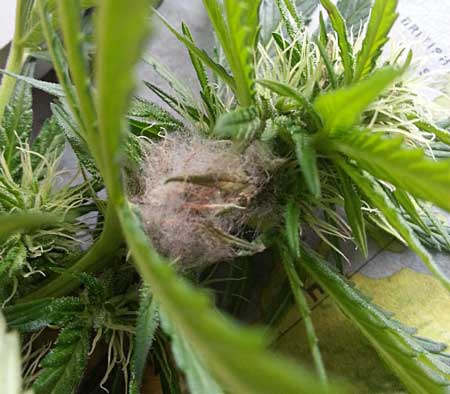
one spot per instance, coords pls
(424, 25)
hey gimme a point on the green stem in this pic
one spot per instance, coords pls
(305, 313)
(98, 256)
(16, 58)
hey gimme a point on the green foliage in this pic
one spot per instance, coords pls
(63, 367)
(183, 94)
(33, 36)
(216, 340)
(197, 376)
(288, 256)
(293, 227)
(16, 55)
(148, 119)
(243, 25)
(206, 330)
(218, 69)
(321, 44)
(374, 193)
(36, 315)
(50, 140)
(346, 50)
(353, 210)
(382, 19)
(13, 223)
(146, 325)
(16, 123)
(210, 99)
(442, 134)
(342, 109)
(68, 125)
(407, 203)
(290, 16)
(241, 124)
(237, 24)
(117, 55)
(13, 260)
(51, 88)
(307, 158)
(420, 366)
(408, 169)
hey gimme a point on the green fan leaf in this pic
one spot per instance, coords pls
(117, 54)
(378, 197)
(69, 13)
(208, 94)
(292, 224)
(150, 118)
(382, 19)
(179, 88)
(419, 369)
(51, 88)
(241, 124)
(290, 17)
(50, 139)
(441, 134)
(353, 211)
(341, 109)
(215, 339)
(33, 36)
(307, 159)
(64, 366)
(17, 122)
(17, 222)
(76, 141)
(346, 50)
(289, 255)
(13, 260)
(174, 103)
(408, 169)
(236, 25)
(243, 24)
(408, 204)
(35, 315)
(146, 325)
(197, 376)
(201, 55)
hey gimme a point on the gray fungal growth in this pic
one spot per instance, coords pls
(197, 196)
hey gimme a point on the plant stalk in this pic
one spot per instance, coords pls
(16, 57)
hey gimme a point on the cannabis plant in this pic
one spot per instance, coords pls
(296, 143)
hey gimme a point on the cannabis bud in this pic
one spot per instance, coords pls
(198, 196)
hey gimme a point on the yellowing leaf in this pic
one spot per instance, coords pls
(417, 300)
